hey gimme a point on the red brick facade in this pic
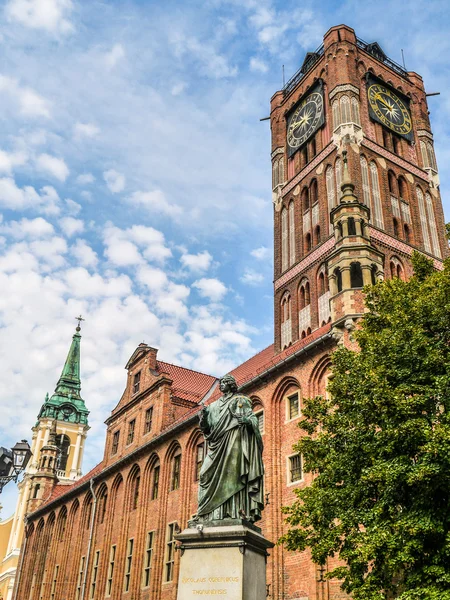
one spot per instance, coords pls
(78, 537)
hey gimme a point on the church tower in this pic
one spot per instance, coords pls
(355, 183)
(57, 453)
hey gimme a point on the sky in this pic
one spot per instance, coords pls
(135, 179)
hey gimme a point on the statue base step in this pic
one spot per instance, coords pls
(223, 561)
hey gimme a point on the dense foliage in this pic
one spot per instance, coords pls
(380, 448)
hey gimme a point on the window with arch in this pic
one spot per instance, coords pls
(355, 110)
(365, 180)
(423, 220)
(62, 524)
(336, 113)
(351, 226)
(356, 276)
(428, 155)
(155, 481)
(284, 239)
(396, 268)
(277, 172)
(375, 194)
(344, 104)
(338, 172)
(432, 224)
(338, 277)
(87, 511)
(373, 274)
(286, 322)
(345, 110)
(103, 503)
(259, 413)
(304, 305)
(135, 489)
(63, 443)
(324, 296)
(331, 188)
(291, 233)
(176, 470)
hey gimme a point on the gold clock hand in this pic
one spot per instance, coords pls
(383, 101)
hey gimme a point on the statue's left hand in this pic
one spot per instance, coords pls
(242, 420)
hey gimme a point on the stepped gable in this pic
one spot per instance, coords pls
(187, 384)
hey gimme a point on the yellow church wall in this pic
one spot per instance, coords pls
(6, 565)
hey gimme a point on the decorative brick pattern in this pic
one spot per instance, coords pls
(313, 257)
(395, 159)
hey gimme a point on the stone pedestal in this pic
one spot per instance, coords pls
(227, 560)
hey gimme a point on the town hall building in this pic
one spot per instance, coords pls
(355, 192)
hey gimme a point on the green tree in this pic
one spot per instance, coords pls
(380, 448)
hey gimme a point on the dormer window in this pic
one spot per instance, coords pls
(136, 382)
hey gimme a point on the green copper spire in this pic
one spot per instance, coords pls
(66, 404)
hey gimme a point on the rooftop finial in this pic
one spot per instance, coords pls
(79, 319)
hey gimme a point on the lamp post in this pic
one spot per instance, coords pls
(13, 462)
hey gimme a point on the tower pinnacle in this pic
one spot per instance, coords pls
(66, 403)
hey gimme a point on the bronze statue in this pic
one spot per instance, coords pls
(231, 477)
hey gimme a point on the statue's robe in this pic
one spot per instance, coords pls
(231, 477)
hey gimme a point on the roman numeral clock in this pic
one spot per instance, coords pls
(389, 108)
(305, 119)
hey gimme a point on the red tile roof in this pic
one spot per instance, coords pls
(187, 384)
(63, 488)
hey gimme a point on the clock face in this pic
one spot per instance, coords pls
(389, 109)
(305, 120)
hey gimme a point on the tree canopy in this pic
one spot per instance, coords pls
(379, 447)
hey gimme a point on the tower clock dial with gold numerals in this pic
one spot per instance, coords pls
(389, 110)
(304, 121)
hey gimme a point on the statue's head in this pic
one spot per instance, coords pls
(228, 383)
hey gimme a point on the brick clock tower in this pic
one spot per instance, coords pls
(355, 183)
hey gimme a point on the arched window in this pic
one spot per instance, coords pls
(176, 470)
(356, 278)
(431, 156)
(395, 224)
(338, 275)
(63, 443)
(200, 453)
(423, 220)
(351, 226)
(365, 181)
(286, 327)
(336, 115)
(396, 268)
(274, 174)
(284, 239)
(317, 235)
(432, 223)
(313, 195)
(305, 199)
(281, 171)
(338, 171)
(291, 234)
(403, 189)
(304, 302)
(396, 145)
(407, 233)
(304, 294)
(331, 191)
(392, 183)
(324, 296)
(345, 109)
(155, 481)
(135, 485)
(423, 151)
(102, 503)
(376, 197)
(373, 274)
(308, 244)
(355, 111)
(62, 522)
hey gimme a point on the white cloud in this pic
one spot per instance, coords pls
(115, 181)
(85, 256)
(71, 226)
(73, 208)
(30, 103)
(88, 130)
(83, 284)
(252, 277)
(51, 15)
(261, 253)
(178, 88)
(154, 202)
(213, 289)
(112, 57)
(15, 198)
(124, 246)
(28, 228)
(258, 65)
(211, 62)
(51, 165)
(9, 160)
(85, 178)
(197, 262)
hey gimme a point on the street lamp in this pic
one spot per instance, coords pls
(13, 462)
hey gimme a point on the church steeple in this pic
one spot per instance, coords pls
(66, 403)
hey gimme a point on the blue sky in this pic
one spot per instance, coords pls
(135, 179)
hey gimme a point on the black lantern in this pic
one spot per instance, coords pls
(21, 455)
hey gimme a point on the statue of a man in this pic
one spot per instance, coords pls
(231, 477)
